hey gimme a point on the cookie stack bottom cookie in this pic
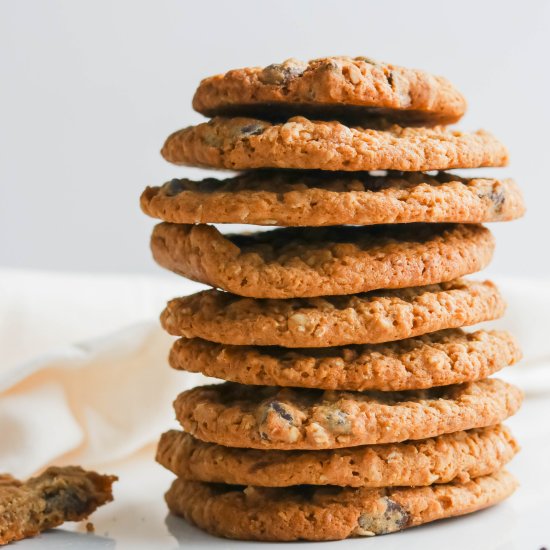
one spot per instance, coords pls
(354, 403)
(328, 513)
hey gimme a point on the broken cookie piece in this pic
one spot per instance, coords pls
(48, 500)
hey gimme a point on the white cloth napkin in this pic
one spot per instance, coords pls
(84, 403)
(105, 399)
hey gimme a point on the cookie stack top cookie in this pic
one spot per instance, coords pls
(332, 87)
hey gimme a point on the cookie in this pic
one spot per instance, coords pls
(370, 318)
(322, 261)
(437, 359)
(48, 500)
(334, 87)
(460, 456)
(306, 198)
(328, 513)
(245, 143)
(265, 417)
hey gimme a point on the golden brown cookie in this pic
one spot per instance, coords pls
(334, 87)
(328, 513)
(437, 359)
(48, 500)
(459, 456)
(266, 417)
(322, 261)
(303, 198)
(370, 318)
(245, 143)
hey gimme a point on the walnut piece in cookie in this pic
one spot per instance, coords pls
(393, 517)
(48, 500)
(282, 73)
(277, 420)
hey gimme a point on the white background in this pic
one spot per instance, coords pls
(90, 89)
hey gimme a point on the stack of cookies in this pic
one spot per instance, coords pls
(354, 404)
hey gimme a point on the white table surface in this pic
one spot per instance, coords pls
(138, 517)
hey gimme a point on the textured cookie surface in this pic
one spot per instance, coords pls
(370, 318)
(245, 143)
(437, 359)
(322, 261)
(48, 500)
(322, 198)
(332, 87)
(460, 456)
(328, 513)
(265, 417)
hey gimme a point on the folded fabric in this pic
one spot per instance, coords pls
(87, 403)
(90, 403)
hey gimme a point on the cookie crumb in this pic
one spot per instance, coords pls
(90, 528)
